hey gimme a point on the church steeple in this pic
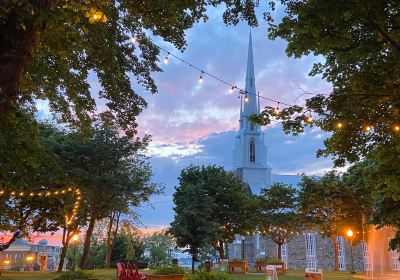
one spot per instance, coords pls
(250, 107)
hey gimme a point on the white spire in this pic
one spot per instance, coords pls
(250, 107)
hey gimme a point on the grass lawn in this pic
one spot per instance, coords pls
(109, 274)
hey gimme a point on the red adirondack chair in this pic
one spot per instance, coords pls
(129, 272)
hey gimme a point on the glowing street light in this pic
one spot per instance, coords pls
(350, 235)
(29, 259)
(75, 239)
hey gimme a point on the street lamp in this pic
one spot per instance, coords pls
(350, 235)
(75, 238)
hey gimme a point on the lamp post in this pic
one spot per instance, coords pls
(75, 238)
(243, 238)
(350, 235)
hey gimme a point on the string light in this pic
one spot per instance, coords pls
(277, 111)
(77, 193)
(133, 39)
(166, 59)
(367, 128)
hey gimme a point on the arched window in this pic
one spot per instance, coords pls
(252, 150)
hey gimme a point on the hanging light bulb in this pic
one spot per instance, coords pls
(339, 125)
(396, 128)
(277, 111)
(246, 98)
(133, 39)
(367, 128)
(201, 78)
(309, 119)
(231, 89)
(166, 59)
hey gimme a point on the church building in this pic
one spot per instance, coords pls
(307, 250)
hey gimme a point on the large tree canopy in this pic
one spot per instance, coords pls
(49, 48)
(360, 43)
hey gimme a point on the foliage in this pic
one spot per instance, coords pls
(230, 204)
(192, 226)
(360, 43)
(238, 261)
(202, 275)
(279, 218)
(269, 260)
(50, 50)
(160, 246)
(169, 269)
(330, 206)
(76, 274)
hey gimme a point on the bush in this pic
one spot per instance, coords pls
(238, 261)
(76, 274)
(269, 260)
(169, 269)
(208, 276)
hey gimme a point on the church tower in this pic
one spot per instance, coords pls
(250, 153)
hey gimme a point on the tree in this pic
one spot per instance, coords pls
(193, 226)
(110, 170)
(159, 245)
(49, 48)
(329, 206)
(279, 218)
(232, 208)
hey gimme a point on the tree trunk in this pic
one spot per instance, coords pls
(66, 238)
(111, 236)
(11, 241)
(336, 251)
(86, 244)
(62, 258)
(279, 250)
(192, 265)
(18, 43)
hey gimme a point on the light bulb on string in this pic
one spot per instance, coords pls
(201, 78)
(231, 89)
(277, 111)
(396, 128)
(309, 119)
(339, 125)
(166, 59)
(133, 39)
(246, 98)
(367, 128)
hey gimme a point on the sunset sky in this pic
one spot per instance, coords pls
(196, 123)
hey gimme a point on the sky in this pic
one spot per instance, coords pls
(193, 123)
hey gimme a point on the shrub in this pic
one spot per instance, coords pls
(208, 276)
(238, 261)
(269, 260)
(76, 274)
(169, 269)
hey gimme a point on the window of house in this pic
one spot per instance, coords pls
(394, 256)
(252, 150)
(311, 254)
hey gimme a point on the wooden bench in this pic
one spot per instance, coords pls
(241, 265)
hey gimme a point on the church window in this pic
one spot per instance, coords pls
(311, 254)
(284, 254)
(367, 264)
(394, 255)
(342, 258)
(252, 150)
